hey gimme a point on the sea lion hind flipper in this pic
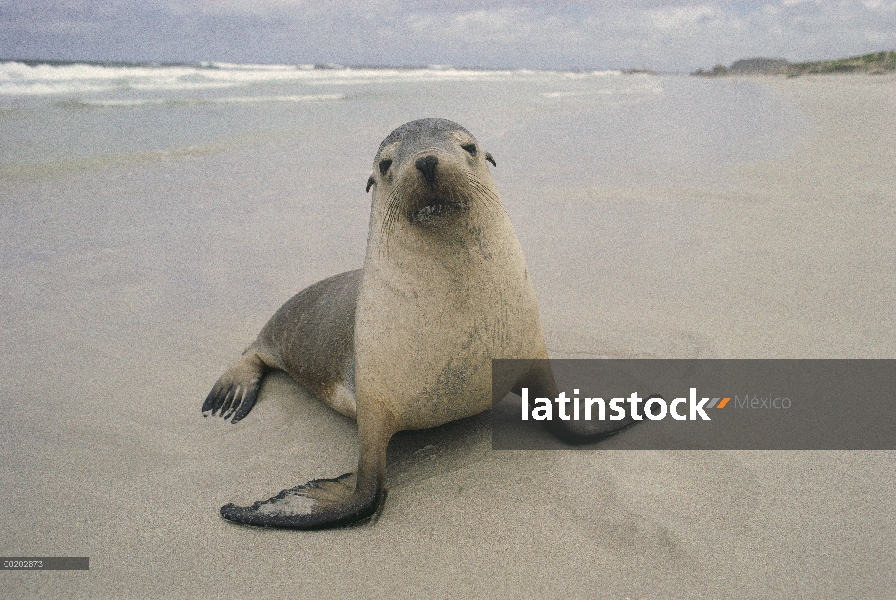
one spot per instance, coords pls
(539, 378)
(236, 391)
(318, 504)
(565, 432)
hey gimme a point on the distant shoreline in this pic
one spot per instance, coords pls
(213, 65)
(876, 63)
(31, 62)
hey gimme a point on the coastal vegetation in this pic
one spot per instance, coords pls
(875, 63)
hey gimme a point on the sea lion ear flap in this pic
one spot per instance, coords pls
(490, 158)
(370, 182)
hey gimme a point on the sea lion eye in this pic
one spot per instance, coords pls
(470, 148)
(384, 166)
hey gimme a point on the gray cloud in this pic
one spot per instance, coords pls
(671, 36)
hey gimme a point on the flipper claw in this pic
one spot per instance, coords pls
(237, 390)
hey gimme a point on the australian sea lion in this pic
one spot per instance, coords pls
(407, 341)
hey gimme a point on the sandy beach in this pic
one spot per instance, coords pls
(130, 283)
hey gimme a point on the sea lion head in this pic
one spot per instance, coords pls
(431, 172)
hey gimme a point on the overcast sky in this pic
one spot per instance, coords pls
(676, 35)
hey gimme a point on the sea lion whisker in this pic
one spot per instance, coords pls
(392, 212)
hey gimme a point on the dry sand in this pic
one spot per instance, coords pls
(105, 454)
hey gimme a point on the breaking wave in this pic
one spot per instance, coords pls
(53, 78)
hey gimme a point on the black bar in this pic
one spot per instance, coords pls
(45, 563)
(773, 404)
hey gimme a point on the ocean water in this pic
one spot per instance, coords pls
(610, 127)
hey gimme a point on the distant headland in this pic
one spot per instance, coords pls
(876, 63)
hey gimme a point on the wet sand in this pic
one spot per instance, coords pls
(112, 338)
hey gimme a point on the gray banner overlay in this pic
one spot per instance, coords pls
(45, 563)
(771, 404)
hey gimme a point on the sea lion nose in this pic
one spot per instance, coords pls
(427, 166)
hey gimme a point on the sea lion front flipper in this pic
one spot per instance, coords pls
(317, 504)
(324, 503)
(236, 391)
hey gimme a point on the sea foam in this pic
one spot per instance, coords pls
(42, 79)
